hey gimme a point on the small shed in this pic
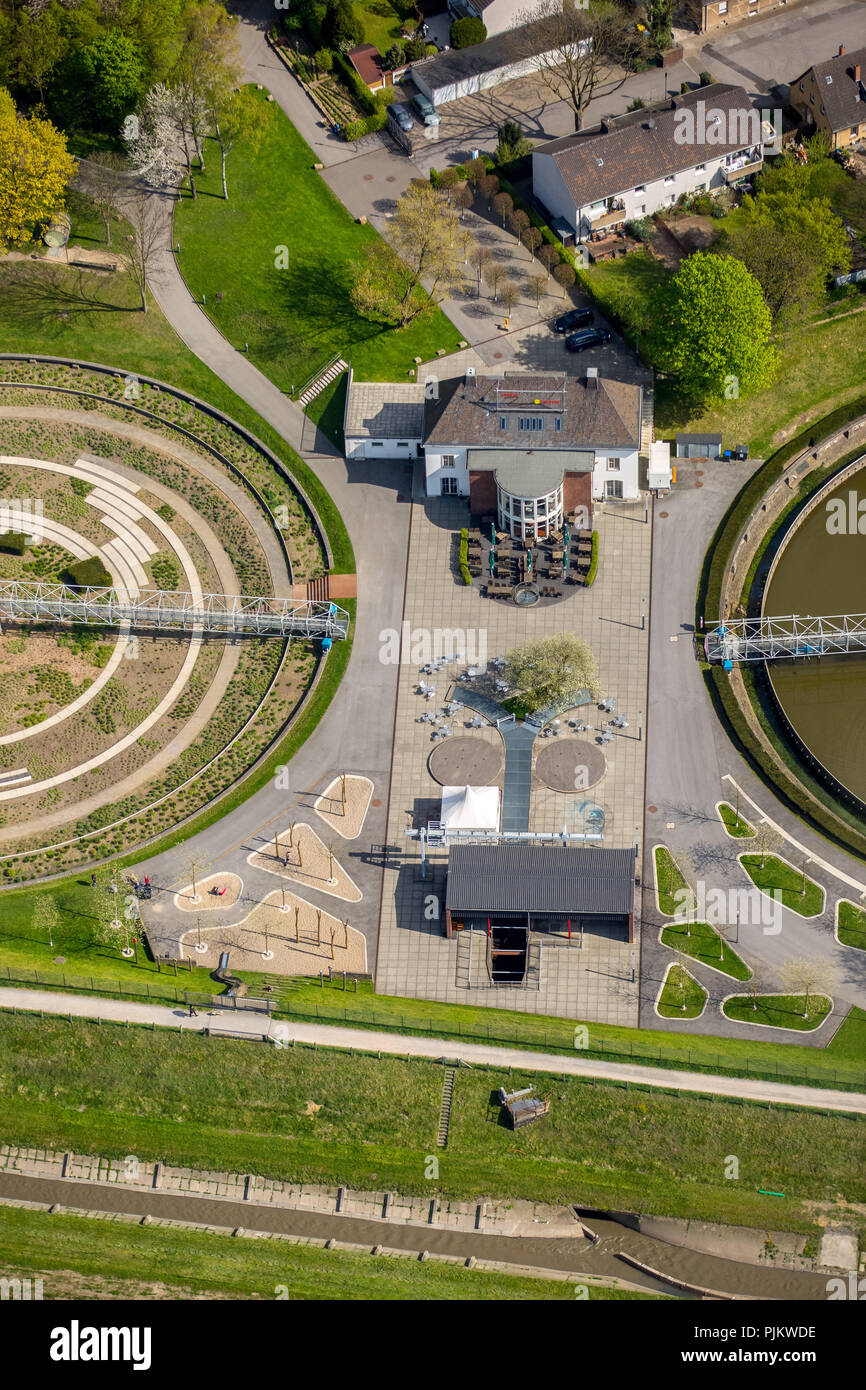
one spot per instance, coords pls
(659, 471)
(699, 446)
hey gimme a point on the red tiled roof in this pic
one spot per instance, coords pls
(367, 62)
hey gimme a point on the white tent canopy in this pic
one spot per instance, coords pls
(470, 808)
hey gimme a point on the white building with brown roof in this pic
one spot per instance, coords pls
(633, 165)
(527, 447)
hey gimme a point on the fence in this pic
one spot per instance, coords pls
(561, 1041)
(156, 993)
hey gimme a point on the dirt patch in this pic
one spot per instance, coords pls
(303, 940)
(209, 894)
(297, 853)
(343, 805)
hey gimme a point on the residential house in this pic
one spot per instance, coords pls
(631, 166)
(717, 13)
(831, 97)
(497, 16)
(529, 448)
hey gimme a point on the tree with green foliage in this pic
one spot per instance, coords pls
(342, 28)
(549, 669)
(35, 171)
(660, 19)
(46, 918)
(791, 243)
(710, 329)
(427, 262)
(39, 48)
(238, 115)
(513, 143)
(114, 73)
(466, 32)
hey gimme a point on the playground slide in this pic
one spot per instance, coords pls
(236, 987)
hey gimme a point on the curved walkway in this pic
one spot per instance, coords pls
(283, 1031)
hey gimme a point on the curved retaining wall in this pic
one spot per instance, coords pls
(211, 410)
(822, 772)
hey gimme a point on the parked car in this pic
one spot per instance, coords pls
(402, 116)
(426, 110)
(575, 318)
(589, 338)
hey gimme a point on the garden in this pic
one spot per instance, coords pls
(260, 683)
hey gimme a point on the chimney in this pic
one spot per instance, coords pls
(856, 72)
(592, 378)
(841, 50)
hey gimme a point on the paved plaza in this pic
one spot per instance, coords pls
(414, 958)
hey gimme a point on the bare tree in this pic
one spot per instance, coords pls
(148, 234)
(494, 274)
(463, 199)
(532, 239)
(767, 840)
(549, 257)
(102, 182)
(509, 295)
(518, 222)
(564, 275)
(537, 285)
(479, 256)
(581, 50)
(503, 205)
(488, 187)
(803, 974)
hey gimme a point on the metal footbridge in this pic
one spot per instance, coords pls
(172, 611)
(790, 638)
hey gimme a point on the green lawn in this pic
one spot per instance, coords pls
(113, 1259)
(669, 881)
(381, 23)
(623, 288)
(328, 1117)
(294, 319)
(681, 996)
(95, 317)
(702, 942)
(852, 925)
(779, 1010)
(734, 823)
(777, 875)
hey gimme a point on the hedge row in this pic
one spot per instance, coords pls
(374, 103)
(593, 562)
(781, 783)
(464, 557)
(14, 542)
(709, 596)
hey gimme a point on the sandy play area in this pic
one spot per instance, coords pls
(346, 820)
(309, 863)
(208, 898)
(307, 955)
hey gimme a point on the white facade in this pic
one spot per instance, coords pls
(443, 92)
(616, 475)
(642, 200)
(383, 448)
(447, 471)
(498, 16)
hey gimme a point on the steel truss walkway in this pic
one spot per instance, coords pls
(165, 610)
(772, 639)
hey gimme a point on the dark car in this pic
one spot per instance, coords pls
(589, 338)
(402, 117)
(575, 318)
